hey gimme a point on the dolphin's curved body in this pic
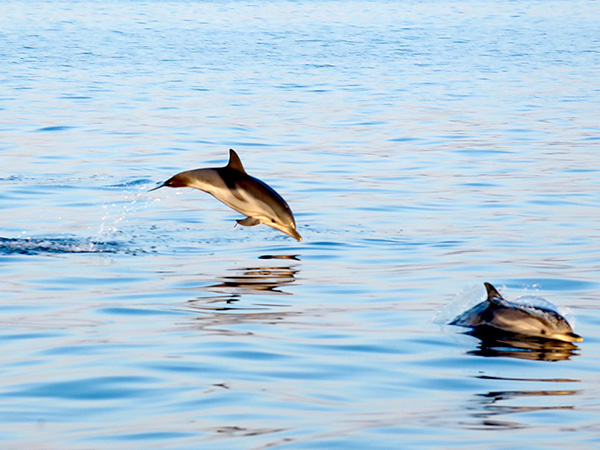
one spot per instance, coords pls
(498, 314)
(241, 192)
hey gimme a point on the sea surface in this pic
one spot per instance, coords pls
(424, 146)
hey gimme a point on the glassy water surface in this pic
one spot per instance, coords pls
(424, 149)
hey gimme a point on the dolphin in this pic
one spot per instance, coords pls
(241, 192)
(497, 314)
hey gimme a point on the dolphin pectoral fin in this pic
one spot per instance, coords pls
(248, 221)
(235, 162)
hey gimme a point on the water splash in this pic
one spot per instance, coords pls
(102, 239)
(538, 302)
(461, 302)
(116, 214)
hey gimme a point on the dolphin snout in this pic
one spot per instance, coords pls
(293, 233)
(573, 337)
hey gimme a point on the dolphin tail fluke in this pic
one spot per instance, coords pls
(492, 293)
(248, 221)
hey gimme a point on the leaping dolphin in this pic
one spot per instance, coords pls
(527, 320)
(241, 192)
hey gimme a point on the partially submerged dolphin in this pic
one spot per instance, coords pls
(498, 314)
(241, 192)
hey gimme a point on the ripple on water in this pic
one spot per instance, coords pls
(54, 128)
(552, 284)
(94, 388)
(37, 246)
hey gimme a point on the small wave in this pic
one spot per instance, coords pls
(36, 246)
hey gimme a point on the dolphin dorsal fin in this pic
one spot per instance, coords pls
(234, 161)
(493, 295)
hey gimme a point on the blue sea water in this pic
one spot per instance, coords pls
(424, 147)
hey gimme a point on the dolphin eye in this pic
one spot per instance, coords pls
(543, 331)
(272, 220)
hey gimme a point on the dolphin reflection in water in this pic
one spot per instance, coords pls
(241, 192)
(496, 314)
(494, 343)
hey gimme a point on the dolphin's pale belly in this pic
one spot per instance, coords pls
(243, 202)
(250, 202)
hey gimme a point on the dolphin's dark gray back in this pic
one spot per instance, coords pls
(530, 320)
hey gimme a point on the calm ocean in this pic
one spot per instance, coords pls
(424, 147)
